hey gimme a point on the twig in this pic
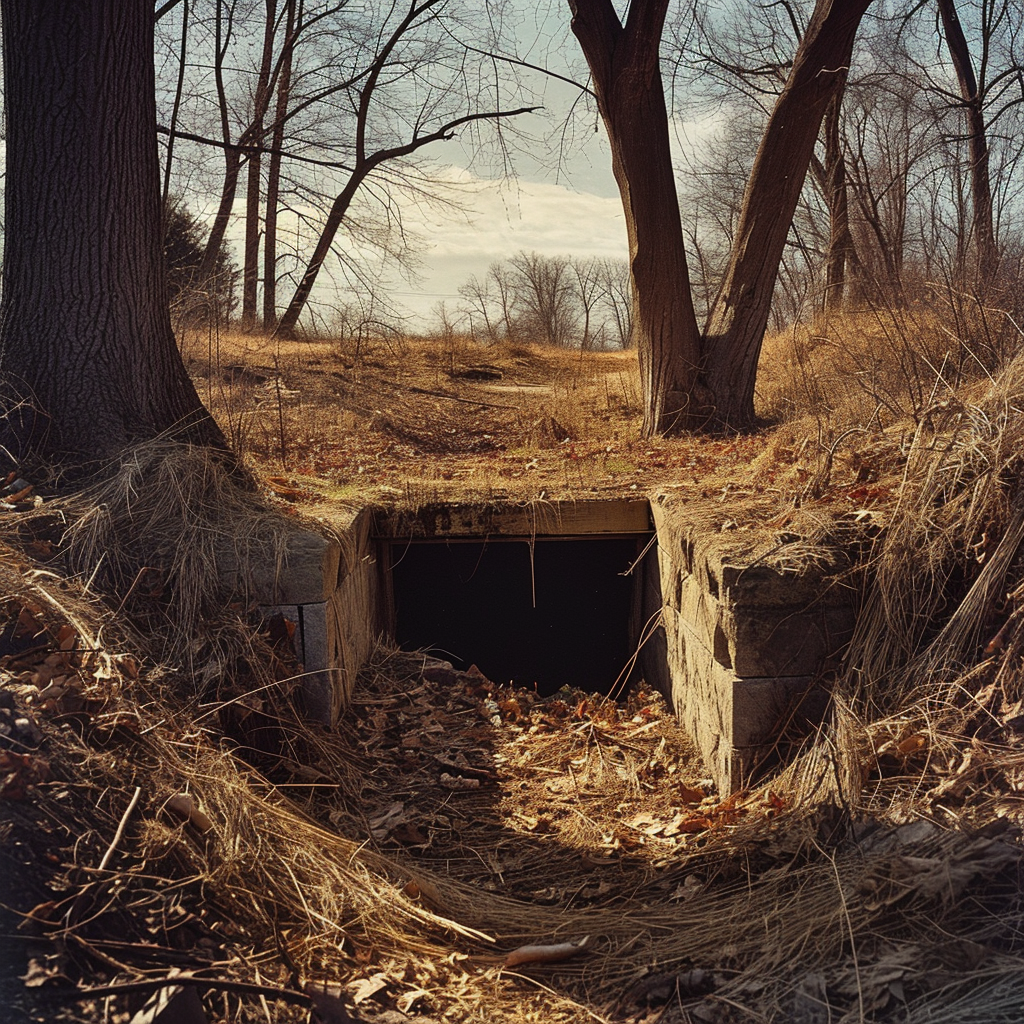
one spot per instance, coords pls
(120, 829)
(182, 980)
(454, 398)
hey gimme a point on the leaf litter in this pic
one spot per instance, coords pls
(453, 821)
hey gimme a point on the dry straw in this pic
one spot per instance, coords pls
(873, 897)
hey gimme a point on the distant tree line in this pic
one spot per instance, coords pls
(562, 301)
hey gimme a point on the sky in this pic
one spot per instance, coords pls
(501, 218)
(555, 196)
(558, 205)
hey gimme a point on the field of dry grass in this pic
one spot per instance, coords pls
(413, 420)
(167, 810)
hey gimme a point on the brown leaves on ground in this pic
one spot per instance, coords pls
(524, 794)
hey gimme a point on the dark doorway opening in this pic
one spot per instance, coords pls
(550, 612)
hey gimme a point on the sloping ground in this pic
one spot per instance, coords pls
(163, 809)
(420, 421)
(454, 821)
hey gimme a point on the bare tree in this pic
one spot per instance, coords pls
(624, 67)
(693, 378)
(548, 302)
(292, 17)
(478, 307)
(260, 104)
(616, 300)
(983, 231)
(373, 147)
(587, 274)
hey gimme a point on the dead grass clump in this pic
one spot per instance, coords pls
(176, 537)
(867, 369)
(760, 917)
(952, 552)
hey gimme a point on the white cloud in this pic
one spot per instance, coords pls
(499, 220)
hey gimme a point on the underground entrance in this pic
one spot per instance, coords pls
(528, 598)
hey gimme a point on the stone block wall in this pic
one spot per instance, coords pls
(328, 587)
(750, 621)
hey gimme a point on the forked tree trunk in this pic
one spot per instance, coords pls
(624, 66)
(85, 333)
(977, 137)
(739, 315)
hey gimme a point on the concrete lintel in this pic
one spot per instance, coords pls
(547, 518)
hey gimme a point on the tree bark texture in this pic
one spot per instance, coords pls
(977, 137)
(85, 333)
(250, 264)
(624, 65)
(274, 174)
(739, 315)
(841, 249)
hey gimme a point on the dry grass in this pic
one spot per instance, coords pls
(764, 916)
(875, 878)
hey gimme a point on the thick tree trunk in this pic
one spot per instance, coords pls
(981, 186)
(85, 334)
(623, 61)
(739, 315)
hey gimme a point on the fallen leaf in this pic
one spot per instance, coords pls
(407, 1000)
(364, 988)
(39, 974)
(911, 744)
(185, 807)
(383, 822)
(690, 795)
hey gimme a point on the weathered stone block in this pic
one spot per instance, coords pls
(784, 642)
(338, 623)
(749, 624)
(305, 571)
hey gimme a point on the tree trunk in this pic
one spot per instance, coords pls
(173, 126)
(623, 62)
(981, 185)
(85, 333)
(739, 315)
(232, 157)
(290, 317)
(261, 100)
(274, 174)
(841, 251)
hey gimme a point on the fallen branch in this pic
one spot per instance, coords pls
(120, 829)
